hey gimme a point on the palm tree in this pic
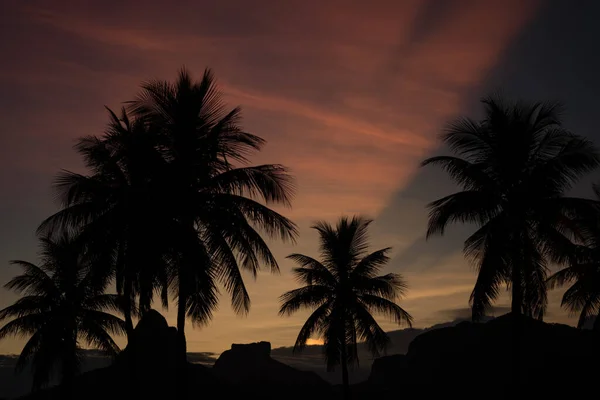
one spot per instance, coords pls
(62, 305)
(344, 290)
(118, 210)
(583, 272)
(217, 205)
(514, 168)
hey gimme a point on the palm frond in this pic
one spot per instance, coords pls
(387, 308)
(311, 271)
(265, 219)
(390, 286)
(26, 325)
(313, 324)
(372, 263)
(97, 336)
(270, 182)
(369, 330)
(228, 271)
(576, 157)
(468, 175)
(27, 305)
(468, 138)
(312, 296)
(494, 268)
(466, 207)
(35, 281)
(29, 350)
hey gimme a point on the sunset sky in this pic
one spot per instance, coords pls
(350, 95)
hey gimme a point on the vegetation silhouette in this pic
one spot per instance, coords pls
(117, 210)
(583, 272)
(514, 168)
(63, 304)
(166, 198)
(172, 199)
(344, 290)
(211, 198)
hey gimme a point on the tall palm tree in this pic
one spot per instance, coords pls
(344, 290)
(63, 305)
(216, 198)
(118, 208)
(514, 168)
(583, 273)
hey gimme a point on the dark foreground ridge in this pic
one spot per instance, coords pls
(444, 359)
(147, 369)
(479, 355)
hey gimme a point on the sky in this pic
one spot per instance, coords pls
(350, 95)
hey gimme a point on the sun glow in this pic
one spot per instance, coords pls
(314, 342)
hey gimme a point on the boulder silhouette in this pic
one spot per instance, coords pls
(384, 369)
(482, 354)
(146, 369)
(250, 371)
(150, 359)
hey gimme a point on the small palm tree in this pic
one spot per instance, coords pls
(344, 290)
(63, 304)
(514, 168)
(583, 272)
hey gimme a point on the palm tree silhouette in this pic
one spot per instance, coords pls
(513, 167)
(118, 209)
(583, 272)
(211, 199)
(344, 290)
(63, 303)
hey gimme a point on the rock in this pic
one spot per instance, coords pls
(260, 350)
(482, 354)
(252, 364)
(146, 369)
(150, 359)
(384, 369)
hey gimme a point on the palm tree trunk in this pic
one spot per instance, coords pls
(127, 289)
(181, 308)
(596, 326)
(181, 359)
(344, 361)
(516, 311)
(69, 369)
(127, 299)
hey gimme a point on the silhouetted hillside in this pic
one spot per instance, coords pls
(481, 353)
(311, 359)
(438, 357)
(252, 364)
(147, 369)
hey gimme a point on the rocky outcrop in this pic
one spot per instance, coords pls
(146, 369)
(384, 369)
(252, 364)
(149, 368)
(482, 354)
